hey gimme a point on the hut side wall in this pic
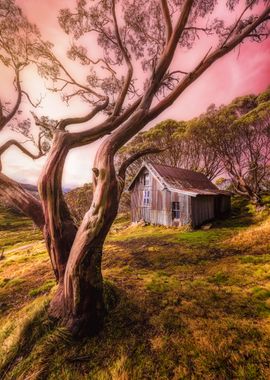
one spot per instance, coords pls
(203, 209)
(225, 207)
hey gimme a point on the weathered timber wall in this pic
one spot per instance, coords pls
(160, 208)
(203, 209)
(194, 210)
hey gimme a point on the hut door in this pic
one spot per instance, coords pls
(175, 210)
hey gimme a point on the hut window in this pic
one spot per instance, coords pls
(146, 180)
(175, 210)
(146, 198)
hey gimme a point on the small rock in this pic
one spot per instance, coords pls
(206, 227)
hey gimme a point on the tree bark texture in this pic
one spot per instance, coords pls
(83, 283)
(60, 229)
(23, 200)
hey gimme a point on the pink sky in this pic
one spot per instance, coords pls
(234, 75)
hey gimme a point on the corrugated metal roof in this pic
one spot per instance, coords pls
(182, 180)
(187, 180)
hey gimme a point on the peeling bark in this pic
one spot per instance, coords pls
(59, 229)
(83, 284)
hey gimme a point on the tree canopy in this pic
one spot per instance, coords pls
(232, 140)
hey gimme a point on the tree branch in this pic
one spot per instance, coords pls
(237, 22)
(167, 18)
(35, 105)
(124, 166)
(78, 120)
(167, 55)
(18, 197)
(10, 143)
(206, 62)
(86, 137)
(15, 108)
(123, 93)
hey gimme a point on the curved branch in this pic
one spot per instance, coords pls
(237, 22)
(123, 93)
(18, 197)
(167, 18)
(78, 120)
(15, 108)
(47, 53)
(206, 62)
(167, 55)
(35, 105)
(124, 166)
(86, 137)
(10, 143)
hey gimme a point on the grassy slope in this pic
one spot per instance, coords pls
(191, 305)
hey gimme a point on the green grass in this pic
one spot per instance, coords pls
(16, 230)
(181, 305)
(44, 288)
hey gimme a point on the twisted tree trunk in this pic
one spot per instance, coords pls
(59, 229)
(82, 302)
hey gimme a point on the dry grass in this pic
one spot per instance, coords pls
(190, 305)
(254, 240)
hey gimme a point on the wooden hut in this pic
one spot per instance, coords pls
(171, 196)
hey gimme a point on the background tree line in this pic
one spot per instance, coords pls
(231, 141)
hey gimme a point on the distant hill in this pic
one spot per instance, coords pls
(34, 189)
(31, 188)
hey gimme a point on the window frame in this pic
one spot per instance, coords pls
(176, 210)
(146, 179)
(146, 198)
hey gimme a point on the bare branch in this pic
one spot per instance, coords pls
(71, 80)
(167, 18)
(15, 108)
(206, 62)
(233, 29)
(10, 143)
(35, 105)
(78, 120)
(17, 196)
(123, 93)
(109, 125)
(167, 55)
(124, 166)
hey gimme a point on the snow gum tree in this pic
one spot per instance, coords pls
(134, 73)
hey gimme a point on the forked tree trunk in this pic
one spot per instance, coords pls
(82, 304)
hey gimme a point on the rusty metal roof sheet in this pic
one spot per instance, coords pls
(181, 180)
(187, 180)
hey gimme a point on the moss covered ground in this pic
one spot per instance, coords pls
(185, 304)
